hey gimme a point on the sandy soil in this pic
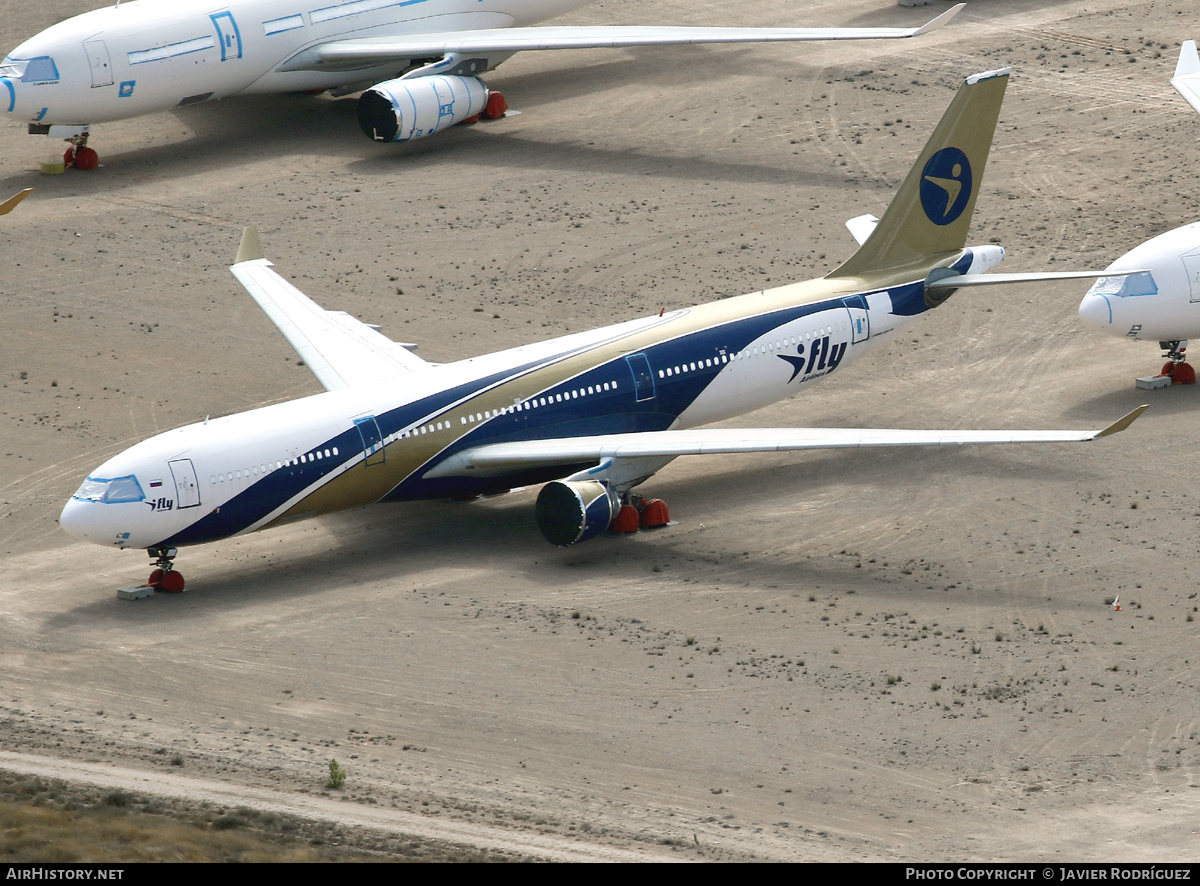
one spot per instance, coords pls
(877, 656)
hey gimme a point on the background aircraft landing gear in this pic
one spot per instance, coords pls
(164, 577)
(496, 107)
(1178, 369)
(80, 155)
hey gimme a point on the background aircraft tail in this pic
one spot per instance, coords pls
(931, 213)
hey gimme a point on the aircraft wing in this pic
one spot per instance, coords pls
(340, 350)
(376, 50)
(501, 458)
(959, 281)
(1187, 74)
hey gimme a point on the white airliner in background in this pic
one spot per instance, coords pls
(591, 415)
(1162, 302)
(418, 60)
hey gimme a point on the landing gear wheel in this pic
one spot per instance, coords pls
(1168, 369)
(627, 520)
(86, 158)
(496, 107)
(654, 513)
(172, 582)
(1184, 374)
(155, 578)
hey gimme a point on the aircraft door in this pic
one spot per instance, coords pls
(860, 320)
(228, 34)
(97, 53)
(187, 489)
(643, 377)
(372, 440)
(1191, 266)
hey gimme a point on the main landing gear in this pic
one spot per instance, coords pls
(640, 513)
(496, 107)
(1177, 368)
(79, 154)
(164, 577)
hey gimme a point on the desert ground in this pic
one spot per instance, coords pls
(876, 655)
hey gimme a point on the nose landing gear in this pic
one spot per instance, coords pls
(164, 577)
(79, 154)
(1177, 369)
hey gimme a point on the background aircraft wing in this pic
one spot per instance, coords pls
(340, 350)
(501, 458)
(1187, 74)
(371, 50)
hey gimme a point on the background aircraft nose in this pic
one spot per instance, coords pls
(1095, 311)
(71, 518)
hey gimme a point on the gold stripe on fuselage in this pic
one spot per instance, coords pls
(365, 484)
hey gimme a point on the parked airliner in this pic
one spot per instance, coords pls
(591, 415)
(1161, 302)
(418, 61)
(1154, 295)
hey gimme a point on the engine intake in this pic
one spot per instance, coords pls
(401, 110)
(571, 511)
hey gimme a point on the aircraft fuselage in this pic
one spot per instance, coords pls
(137, 58)
(1162, 303)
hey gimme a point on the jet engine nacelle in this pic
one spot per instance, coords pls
(401, 110)
(1160, 304)
(571, 511)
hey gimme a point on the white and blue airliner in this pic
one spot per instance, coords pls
(590, 415)
(417, 63)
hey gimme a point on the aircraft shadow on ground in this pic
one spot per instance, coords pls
(1165, 403)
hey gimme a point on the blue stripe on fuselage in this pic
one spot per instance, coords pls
(604, 412)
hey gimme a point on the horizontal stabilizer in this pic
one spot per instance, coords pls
(497, 459)
(372, 50)
(1187, 74)
(861, 227)
(962, 280)
(340, 350)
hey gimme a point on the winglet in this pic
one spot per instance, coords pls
(939, 21)
(1121, 423)
(11, 203)
(250, 249)
(1187, 74)
(1189, 59)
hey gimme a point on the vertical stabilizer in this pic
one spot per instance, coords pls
(931, 213)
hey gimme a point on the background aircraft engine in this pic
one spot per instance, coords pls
(570, 511)
(400, 110)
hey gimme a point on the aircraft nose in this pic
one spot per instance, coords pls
(1096, 311)
(73, 519)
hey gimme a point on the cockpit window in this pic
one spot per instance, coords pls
(1125, 287)
(30, 70)
(115, 491)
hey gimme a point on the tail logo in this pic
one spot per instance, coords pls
(945, 186)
